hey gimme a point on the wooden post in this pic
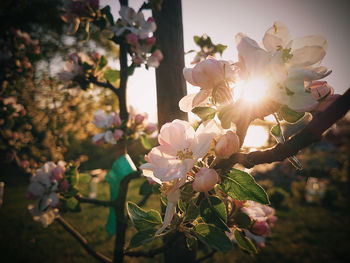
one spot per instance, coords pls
(171, 85)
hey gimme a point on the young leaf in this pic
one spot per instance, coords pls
(205, 113)
(102, 63)
(289, 115)
(213, 236)
(191, 242)
(244, 242)
(143, 219)
(71, 204)
(142, 238)
(213, 211)
(192, 212)
(242, 186)
(146, 143)
(111, 75)
(242, 220)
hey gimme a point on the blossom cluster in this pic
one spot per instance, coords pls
(138, 34)
(187, 155)
(17, 47)
(114, 129)
(46, 186)
(288, 68)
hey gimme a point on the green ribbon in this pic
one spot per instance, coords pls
(121, 168)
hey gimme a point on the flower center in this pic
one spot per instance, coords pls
(184, 154)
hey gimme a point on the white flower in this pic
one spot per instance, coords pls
(46, 217)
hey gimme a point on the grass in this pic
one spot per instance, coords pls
(304, 233)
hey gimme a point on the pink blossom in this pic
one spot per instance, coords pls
(57, 173)
(150, 41)
(205, 180)
(132, 39)
(320, 89)
(113, 119)
(64, 186)
(150, 129)
(139, 118)
(100, 119)
(137, 60)
(118, 134)
(261, 228)
(227, 145)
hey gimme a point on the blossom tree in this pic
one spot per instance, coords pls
(207, 200)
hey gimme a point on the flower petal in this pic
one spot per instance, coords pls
(276, 36)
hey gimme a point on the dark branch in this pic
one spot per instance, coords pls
(100, 257)
(107, 85)
(93, 201)
(151, 253)
(310, 134)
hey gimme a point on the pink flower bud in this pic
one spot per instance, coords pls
(139, 118)
(272, 219)
(132, 39)
(24, 164)
(205, 180)
(320, 89)
(158, 55)
(227, 145)
(150, 128)
(57, 173)
(64, 186)
(261, 228)
(117, 134)
(151, 19)
(150, 41)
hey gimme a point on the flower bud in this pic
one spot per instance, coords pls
(227, 145)
(132, 39)
(137, 60)
(117, 134)
(139, 118)
(320, 89)
(64, 186)
(150, 128)
(205, 180)
(261, 228)
(272, 219)
(150, 41)
(57, 173)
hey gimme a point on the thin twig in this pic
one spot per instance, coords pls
(94, 201)
(107, 85)
(152, 252)
(97, 255)
(310, 134)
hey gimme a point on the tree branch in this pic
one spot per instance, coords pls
(82, 199)
(107, 85)
(100, 257)
(151, 253)
(310, 134)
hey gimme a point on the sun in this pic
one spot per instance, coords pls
(253, 90)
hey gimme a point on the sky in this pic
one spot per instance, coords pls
(223, 19)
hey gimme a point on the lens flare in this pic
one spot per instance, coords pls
(253, 90)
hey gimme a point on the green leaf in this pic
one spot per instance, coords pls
(213, 237)
(219, 48)
(102, 63)
(107, 11)
(142, 238)
(146, 188)
(242, 186)
(289, 115)
(71, 192)
(213, 211)
(131, 70)
(145, 141)
(71, 204)
(276, 130)
(225, 116)
(156, 188)
(242, 220)
(205, 113)
(111, 75)
(143, 219)
(295, 162)
(84, 178)
(192, 212)
(244, 242)
(196, 39)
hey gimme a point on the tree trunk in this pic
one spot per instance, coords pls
(171, 85)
